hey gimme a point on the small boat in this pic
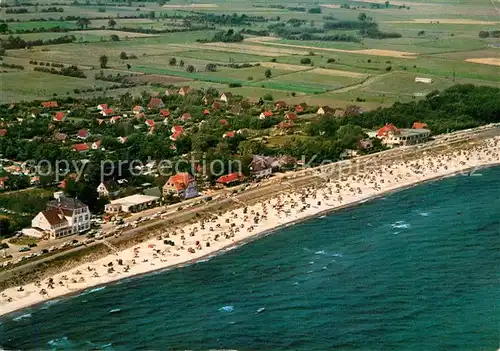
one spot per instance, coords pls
(260, 310)
(116, 310)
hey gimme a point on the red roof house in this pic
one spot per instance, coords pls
(80, 147)
(59, 116)
(387, 129)
(155, 103)
(49, 104)
(138, 109)
(100, 121)
(183, 91)
(3, 180)
(3, 132)
(299, 109)
(186, 116)
(229, 134)
(102, 107)
(177, 131)
(230, 178)
(216, 105)
(122, 140)
(150, 123)
(179, 183)
(114, 119)
(83, 134)
(206, 112)
(291, 116)
(224, 122)
(280, 104)
(265, 114)
(284, 125)
(164, 113)
(107, 112)
(420, 125)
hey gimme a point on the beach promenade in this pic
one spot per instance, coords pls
(240, 220)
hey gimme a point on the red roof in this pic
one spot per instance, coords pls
(267, 113)
(164, 113)
(99, 121)
(291, 116)
(229, 134)
(280, 104)
(80, 147)
(420, 125)
(3, 132)
(122, 140)
(388, 128)
(186, 116)
(138, 108)
(97, 144)
(48, 104)
(230, 178)
(103, 106)
(82, 133)
(181, 180)
(176, 132)
(216, 105)
(107, 112)
(184, 90)
(59, 116)
(155, 103)
(283, 125)
(224, 122)
(115, 119)
(206, 112)
(299, 109)
(150, 123)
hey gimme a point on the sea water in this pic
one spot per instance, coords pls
(417, 270)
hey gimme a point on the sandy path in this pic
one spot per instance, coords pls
(334, 72)
(485, 61)
(191, 6)
(285, 66)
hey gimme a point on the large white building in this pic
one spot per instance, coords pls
(63, 216)
(132, 203)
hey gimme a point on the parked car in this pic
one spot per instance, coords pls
(24, 249)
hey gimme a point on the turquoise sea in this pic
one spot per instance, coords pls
(416, 270)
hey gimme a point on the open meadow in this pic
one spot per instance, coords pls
(439, 40)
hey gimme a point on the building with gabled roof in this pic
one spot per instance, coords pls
(49, 104)
(155, 103)
(59, 116)
(183, 91)
(182, 185)
(230, 179)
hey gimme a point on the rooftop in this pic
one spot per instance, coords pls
(131, 200)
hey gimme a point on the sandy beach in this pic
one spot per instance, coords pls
(178, 246)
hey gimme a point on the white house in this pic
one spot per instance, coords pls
(423, 80)
(226, 97)
(63, 216)
(106, 189)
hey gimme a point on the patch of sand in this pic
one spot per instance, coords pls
(335, 72)
(109, 32)
(192, 6)
(444, 21)
(259, 39)
(485, 61)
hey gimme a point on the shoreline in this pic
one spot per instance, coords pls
(35, 301)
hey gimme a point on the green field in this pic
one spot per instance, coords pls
(438, 51)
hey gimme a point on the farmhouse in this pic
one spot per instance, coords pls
(226, 97)
(114, 119)
(184, 91)
(80, 147)
(155, 103)
(83, 134)
(132, 203)
(107, 189)
(49, 104)
(230, 179)
(59, 116)
(177, 131)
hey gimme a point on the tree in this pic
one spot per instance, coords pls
(190, 69)
(268, 73)
(305, 61)
(83, 22)
(484, 34)
(181, 63)
(4, 28)
(362, 17)
(387, 3)
(111, 23)
(103, 61)
(211, 67)
(173, 61)
(420, 33)
(115, 37)
(123, 56)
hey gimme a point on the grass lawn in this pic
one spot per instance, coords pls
(221, 56)
(41, 85)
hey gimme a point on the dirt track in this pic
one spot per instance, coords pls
(485, 61)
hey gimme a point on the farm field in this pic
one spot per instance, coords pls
(370, 72)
